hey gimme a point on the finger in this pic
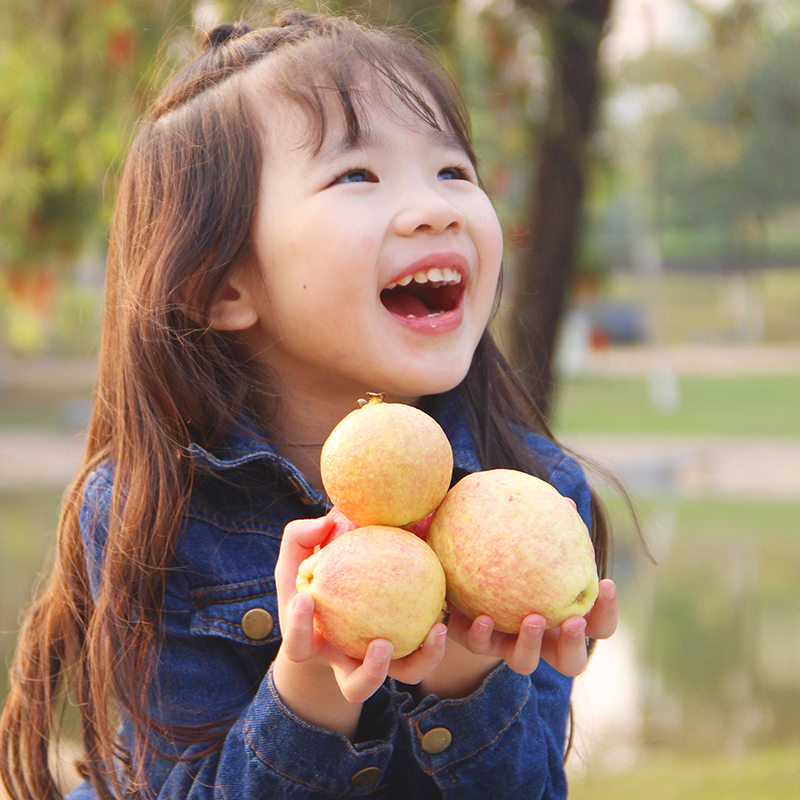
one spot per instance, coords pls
(524, 658)
(601, 621)
(417, 665)
(458, 625)
(362, 682)
(298, 542)
(298, 629)
(478, 639)
(301, 536)
(572, 656)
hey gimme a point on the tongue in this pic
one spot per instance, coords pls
(406, 305)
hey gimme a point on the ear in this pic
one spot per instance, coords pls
(234, 307)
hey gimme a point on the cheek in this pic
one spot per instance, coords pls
(491, 253)
(347, 244)
(494, 235)
(339, 241)
(485, 229)
(369, 244)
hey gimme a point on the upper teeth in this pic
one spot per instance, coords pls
(438, 277)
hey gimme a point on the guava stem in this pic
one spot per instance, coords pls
(373, 398)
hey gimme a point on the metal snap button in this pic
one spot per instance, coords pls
(257, 623)
(436, 740)
(366, 776)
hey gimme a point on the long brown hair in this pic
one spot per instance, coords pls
(166, 378)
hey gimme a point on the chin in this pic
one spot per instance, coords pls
(427, 384)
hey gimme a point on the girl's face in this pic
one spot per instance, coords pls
(379, 259)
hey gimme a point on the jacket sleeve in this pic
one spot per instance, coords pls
(271, 753)
(507, 738)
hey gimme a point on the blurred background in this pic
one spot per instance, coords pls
(644, 156)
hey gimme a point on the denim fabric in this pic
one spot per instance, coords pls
(508, 737)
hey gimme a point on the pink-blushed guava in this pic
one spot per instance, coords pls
(341, 525)
(375, 582)
(386, 464)
(511, 545)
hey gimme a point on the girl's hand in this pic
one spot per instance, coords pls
(564, 648)
(304, 646)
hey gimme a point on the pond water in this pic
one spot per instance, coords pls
(28, 520)
(708, 652)
(707, 657)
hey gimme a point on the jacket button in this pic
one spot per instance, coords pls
(257, 623)
(366, 776)
(436, 740)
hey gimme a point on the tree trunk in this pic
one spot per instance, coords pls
(547, 262)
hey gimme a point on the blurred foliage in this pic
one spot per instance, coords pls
(710, 136)
(720, 120)
(72, 79)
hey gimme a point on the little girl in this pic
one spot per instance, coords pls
(300, 221)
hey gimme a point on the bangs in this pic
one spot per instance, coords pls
(352, 74)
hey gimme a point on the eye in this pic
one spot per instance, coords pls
(454, 174)
(357, 176)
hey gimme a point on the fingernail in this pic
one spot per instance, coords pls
(382, 651)
(303, 602)
(534, 627)
(441, 637)
(578, 631)
(609, 590)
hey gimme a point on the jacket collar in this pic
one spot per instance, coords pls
(251, 444)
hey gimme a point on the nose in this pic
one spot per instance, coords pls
(428, 211)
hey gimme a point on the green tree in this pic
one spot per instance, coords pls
(72, 76)
(724, 157)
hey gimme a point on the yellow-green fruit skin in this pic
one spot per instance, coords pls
(386, 464)
(511, 545)
(375, 582)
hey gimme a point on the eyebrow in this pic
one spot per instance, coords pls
(332, 149)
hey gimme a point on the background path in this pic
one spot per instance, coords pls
(750, 467)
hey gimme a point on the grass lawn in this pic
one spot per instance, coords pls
(703, 307)
(53, 410)
(735, 406)
(772, 774)
(715, 519)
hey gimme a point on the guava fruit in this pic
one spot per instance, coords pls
(510, 546)
(375, 582)
(386, 464)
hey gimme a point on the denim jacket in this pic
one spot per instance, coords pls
(506, 740)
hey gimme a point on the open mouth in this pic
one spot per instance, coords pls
(425, 293)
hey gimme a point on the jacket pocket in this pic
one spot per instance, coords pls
(244, 613)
